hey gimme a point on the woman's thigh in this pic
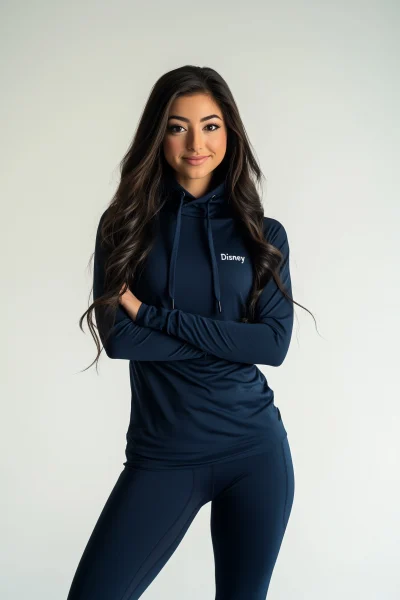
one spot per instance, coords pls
(249, 514)
(142, 523)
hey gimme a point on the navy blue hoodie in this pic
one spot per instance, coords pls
(197, 395)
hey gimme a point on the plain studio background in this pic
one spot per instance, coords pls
(317, 87)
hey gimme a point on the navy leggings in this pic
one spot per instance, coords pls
(149, 511)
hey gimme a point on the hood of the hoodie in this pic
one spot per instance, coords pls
(211, 205)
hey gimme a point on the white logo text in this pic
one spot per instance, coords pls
(229, 257)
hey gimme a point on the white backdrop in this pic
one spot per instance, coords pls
(318, 90)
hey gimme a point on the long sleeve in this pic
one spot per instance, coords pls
(127, 339)
(265, 342)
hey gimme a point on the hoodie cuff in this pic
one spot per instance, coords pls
(155, 317)
(141, 313)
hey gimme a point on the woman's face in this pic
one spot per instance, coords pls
(196, 127)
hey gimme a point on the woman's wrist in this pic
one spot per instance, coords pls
(130, 303)
(132, 306)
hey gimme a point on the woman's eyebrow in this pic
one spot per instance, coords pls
(188, 120)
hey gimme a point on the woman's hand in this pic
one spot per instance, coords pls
(130, 302)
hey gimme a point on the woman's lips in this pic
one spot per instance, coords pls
(196, 161)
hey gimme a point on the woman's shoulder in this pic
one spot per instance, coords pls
(274, 230)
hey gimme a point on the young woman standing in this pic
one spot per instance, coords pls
(192, 286)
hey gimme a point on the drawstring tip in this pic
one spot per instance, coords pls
(173, 303)
(219, 305)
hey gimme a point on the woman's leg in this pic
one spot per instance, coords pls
(142, 523)
(251, 505)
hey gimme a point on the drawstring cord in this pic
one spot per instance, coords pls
(217, 289)
(174, 254)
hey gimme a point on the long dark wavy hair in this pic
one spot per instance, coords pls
(127, 230)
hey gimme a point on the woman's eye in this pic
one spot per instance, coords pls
(213, 125)
(172, 128)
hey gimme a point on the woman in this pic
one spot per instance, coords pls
(192, 286)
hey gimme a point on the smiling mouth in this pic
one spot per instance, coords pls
(193, 160)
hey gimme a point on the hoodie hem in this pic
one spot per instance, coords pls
(258, 445)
